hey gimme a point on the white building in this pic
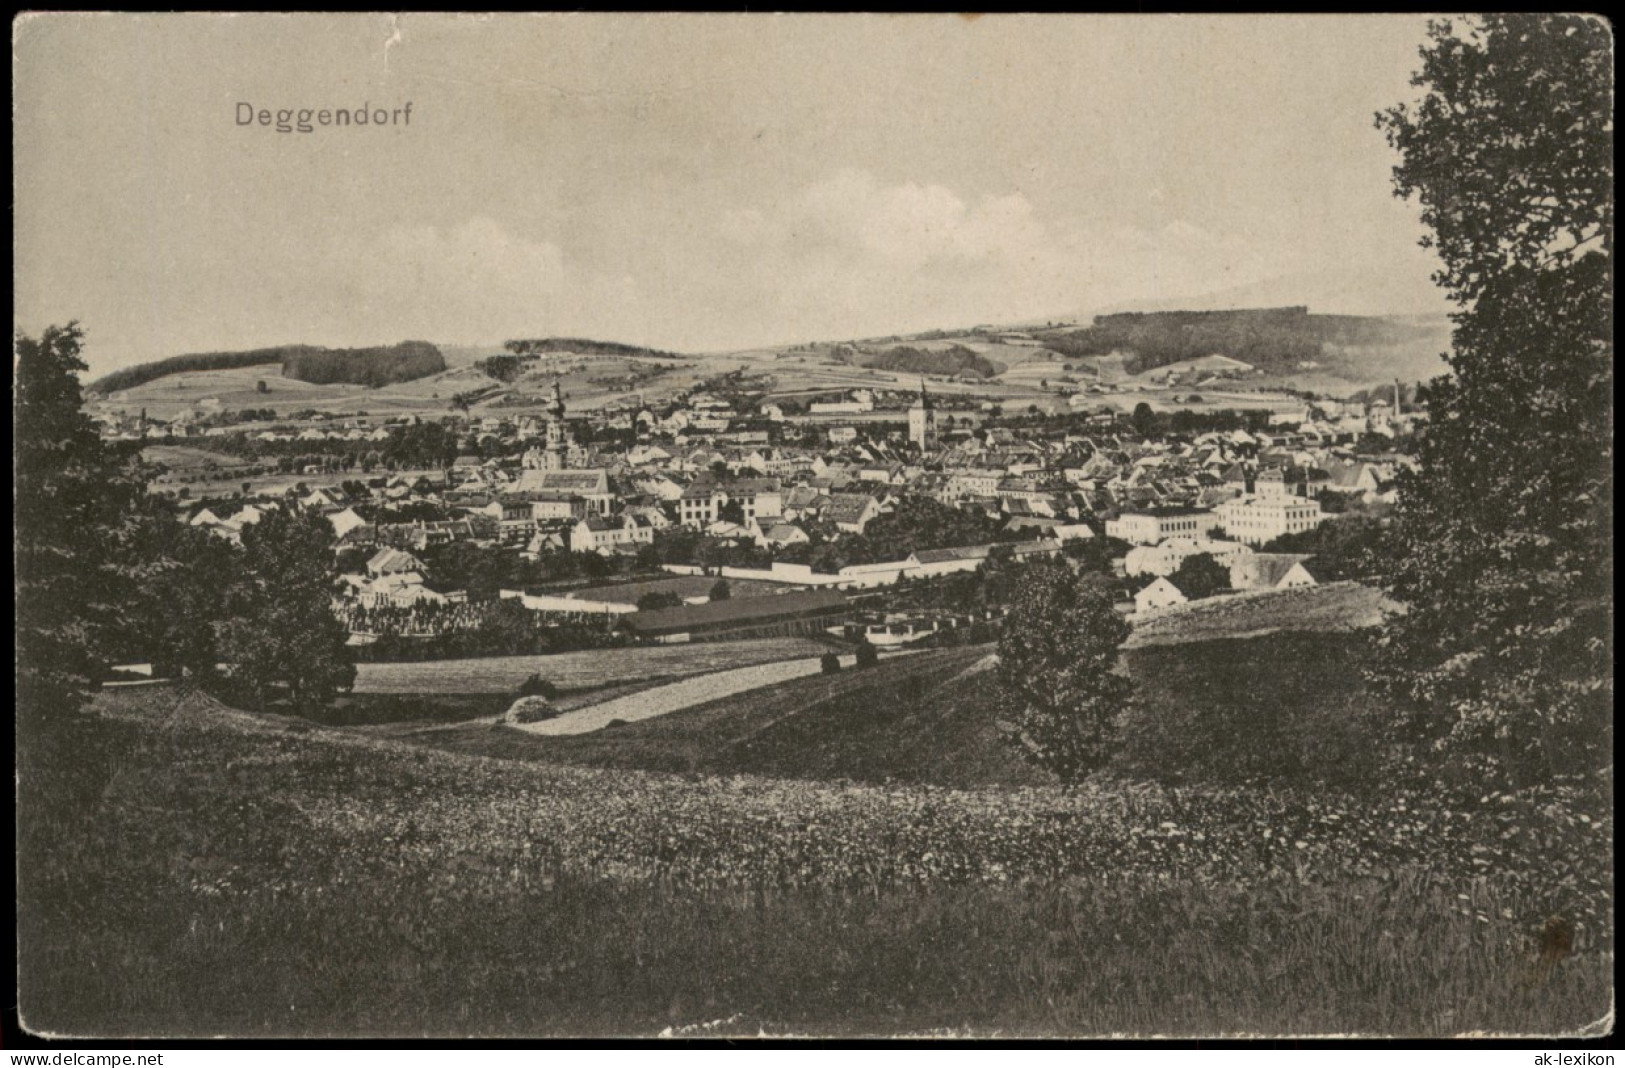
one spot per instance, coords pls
(1148, 528)
(1256, 520)
(605, 536)
(1165, 559)
(1160, 594)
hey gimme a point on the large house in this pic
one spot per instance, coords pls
(607, 536)
(1154, 525)
(591, 485)
(1256, 520)
(1166, 558)
(850, 512)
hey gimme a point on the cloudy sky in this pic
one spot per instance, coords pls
(696, 182)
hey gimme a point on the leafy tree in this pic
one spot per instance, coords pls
(1200, 576)
(1346, 547)
(280, 634)
(655, 600)
(178, 596)
(1502, 540)
(720, 590)
(1056, 660)
(868, 655)
(829, 664)
(732, 512)
(1095, 554)
(1144, 420)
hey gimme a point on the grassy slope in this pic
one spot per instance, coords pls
(251, 875)
(932, 717)
(914, 719)
(926, 719)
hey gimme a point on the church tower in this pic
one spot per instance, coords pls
(558, 435)
(922, 422)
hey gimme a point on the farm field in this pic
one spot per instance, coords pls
(503, 674)
(237, 388)
(255, 875)
(678, 585)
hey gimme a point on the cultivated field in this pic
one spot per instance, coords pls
(596, 667)
(238, 388)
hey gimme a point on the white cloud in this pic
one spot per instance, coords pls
(479, 280)
(848, 254)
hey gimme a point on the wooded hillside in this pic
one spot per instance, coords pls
(583, 347)
(376, 366)
(957, 360)
(1274, 339)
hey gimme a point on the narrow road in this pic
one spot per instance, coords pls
(676, 696)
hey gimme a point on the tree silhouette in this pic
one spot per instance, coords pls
(280, 635)
(1056, 660)
(1502, 540)
(72, 503)
(1200, 576)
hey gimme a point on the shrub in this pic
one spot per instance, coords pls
(536, 686)
(530, 710)
(868, 655)
(829, 663)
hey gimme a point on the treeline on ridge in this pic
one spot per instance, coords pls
(376, 366)
(379, 366)
(955, 360)
(1271, 338)
(583, 347)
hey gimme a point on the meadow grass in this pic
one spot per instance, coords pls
(253, 876)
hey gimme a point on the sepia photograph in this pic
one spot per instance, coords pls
(872, 528)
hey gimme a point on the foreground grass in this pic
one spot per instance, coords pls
(248, 876)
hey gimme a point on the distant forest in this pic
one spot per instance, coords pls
(584, 347)
(956, 360)
(377, 366)
(1275, 339)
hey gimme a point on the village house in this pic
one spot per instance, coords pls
(850, 512)
(1272, 571)
(1160, 594)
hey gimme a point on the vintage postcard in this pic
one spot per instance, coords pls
(873, 527)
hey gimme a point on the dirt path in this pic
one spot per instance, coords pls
(676, 696)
